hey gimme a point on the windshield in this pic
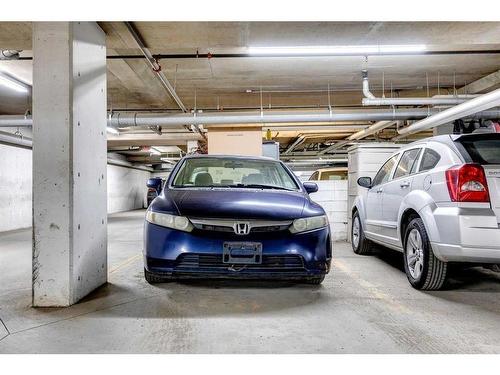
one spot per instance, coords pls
(233, 172)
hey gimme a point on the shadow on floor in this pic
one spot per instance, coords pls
(209, 298)
(461, 276)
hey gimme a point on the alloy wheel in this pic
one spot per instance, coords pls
(356, 228)
(415, 254)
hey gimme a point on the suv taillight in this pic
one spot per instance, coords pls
(467, 183)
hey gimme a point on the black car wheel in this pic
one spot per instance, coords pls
(360, 244)
(423, 269)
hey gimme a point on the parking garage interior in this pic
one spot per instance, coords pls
(90, 111)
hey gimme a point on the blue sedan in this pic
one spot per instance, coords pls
(236, 217)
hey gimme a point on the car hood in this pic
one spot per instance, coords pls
(239, 203)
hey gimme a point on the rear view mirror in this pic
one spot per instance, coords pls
(310, 187)
(155, 183)
(365, 182)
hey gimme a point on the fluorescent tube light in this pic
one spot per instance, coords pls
(112, 130)
(336, 50)
(12, 84)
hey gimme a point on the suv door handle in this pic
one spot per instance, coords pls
(405, 184)
(379, 190)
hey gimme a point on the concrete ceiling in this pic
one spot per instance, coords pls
(294, 81)
(286, 81)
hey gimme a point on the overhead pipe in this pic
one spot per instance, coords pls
(121, 120)
(213, 55)
(366, 85)
(380, 125)
(155, 66)
(168, 120)
(12, 121)
(295, 144)
(9, 54)
(14, 140)
(444, 100)
(461, 111)
(359, 135)
(153, 63)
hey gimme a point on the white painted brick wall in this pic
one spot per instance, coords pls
(332, 196)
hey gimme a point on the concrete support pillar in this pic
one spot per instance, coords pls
(69, 161)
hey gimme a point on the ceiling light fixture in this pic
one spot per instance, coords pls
(12, 84)
(338, 50)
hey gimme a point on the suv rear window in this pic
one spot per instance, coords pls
(482, 149)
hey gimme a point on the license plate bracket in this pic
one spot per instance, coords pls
(242, 252)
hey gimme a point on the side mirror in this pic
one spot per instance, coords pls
(155, 183)
(310, 187)
(365, 182)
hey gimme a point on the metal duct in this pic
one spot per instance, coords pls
(444, 100)
(461, 111)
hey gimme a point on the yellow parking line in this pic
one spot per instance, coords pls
(125, 263)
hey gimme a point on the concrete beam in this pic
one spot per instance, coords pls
(487, 83)
(69, 161)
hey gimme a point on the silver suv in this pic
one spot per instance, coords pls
(437, 201)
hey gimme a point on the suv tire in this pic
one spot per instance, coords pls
(423, 269)
(360, 244)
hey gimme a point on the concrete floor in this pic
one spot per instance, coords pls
(364, 306)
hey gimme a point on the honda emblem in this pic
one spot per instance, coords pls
(241, 228)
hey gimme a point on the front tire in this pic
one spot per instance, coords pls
(360, 244)
(423, 270)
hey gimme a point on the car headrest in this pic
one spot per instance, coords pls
(203, 179)
(253, 178)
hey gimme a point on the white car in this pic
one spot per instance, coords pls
(437, 201)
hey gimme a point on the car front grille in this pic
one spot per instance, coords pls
(227, 225)
(214, 262)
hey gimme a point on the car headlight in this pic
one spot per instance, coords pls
(169, 221)
(308, 223)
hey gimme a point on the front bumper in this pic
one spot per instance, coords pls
(198, 253)
(466, 235)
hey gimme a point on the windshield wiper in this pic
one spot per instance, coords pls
(261, 186)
